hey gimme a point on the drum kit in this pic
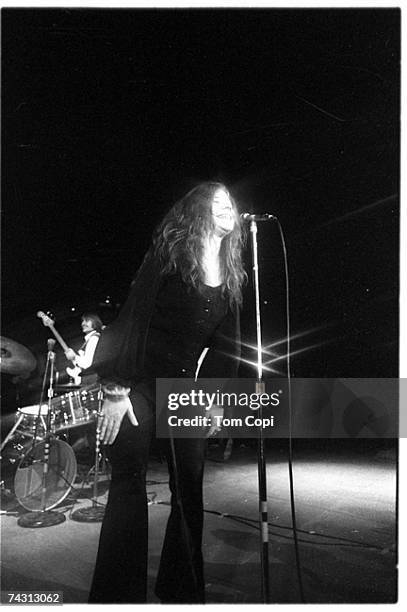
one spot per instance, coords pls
(42, 466)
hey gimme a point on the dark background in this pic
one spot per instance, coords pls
(111, 115)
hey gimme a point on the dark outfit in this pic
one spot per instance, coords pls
(168, 324)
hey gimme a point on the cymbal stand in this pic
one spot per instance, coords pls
(95, 512)
(11, 432)
(44, 517)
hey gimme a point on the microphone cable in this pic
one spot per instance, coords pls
(290, 417)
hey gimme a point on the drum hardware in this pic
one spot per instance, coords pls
(6, 495)
(95, 512)
(45, 466)
(21, 468)
(69, 410)
(66, 386)
(43, 471)
(12, 431)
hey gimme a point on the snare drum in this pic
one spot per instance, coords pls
(28, 416)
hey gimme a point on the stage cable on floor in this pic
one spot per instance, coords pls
(254, 524)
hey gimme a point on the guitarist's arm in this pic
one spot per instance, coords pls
(85, 358)
(70, 355)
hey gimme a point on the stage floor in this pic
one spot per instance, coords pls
(345, 498)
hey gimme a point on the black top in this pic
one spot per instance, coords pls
(184, 321)
(182, 325)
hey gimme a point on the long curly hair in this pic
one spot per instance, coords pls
(179, 239)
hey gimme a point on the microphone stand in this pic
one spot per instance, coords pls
(95, 512)
(44, 517)
(261, 461)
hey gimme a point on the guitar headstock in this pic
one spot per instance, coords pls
(46, 319)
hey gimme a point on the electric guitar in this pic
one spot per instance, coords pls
(75, 371)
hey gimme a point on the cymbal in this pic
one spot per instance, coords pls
(15, 358)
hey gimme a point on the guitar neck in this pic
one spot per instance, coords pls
(59, 338)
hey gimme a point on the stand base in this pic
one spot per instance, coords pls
(41, 519)
(91, 514)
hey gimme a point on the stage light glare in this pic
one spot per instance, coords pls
(296, 336)
(254, 364)
(303, 350)
(253, 347)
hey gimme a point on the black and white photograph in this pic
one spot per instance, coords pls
(200, 330)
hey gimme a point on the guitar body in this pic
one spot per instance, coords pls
(75, 373)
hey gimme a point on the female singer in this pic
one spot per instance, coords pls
(185, 298)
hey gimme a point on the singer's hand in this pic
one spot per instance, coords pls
(70, 354)
(216, 416)
(113, 414)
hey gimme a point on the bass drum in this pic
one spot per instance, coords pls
(60, 476)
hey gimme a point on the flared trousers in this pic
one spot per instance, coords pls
(120, 574)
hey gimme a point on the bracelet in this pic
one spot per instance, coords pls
(115, 397)
(115, 393)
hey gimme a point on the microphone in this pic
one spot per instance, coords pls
(50, 344)
(252, 217)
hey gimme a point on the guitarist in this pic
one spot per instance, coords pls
(91, 326)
